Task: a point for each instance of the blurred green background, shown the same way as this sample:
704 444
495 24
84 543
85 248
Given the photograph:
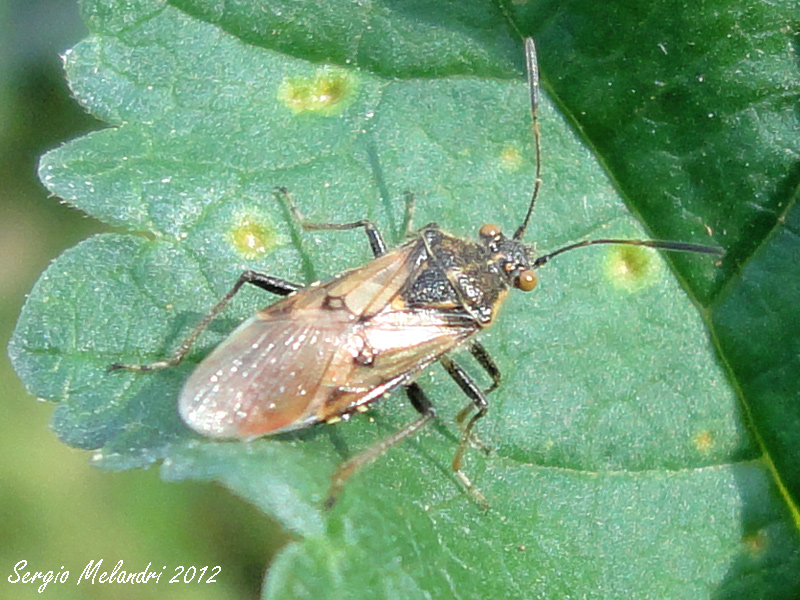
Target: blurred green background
57 510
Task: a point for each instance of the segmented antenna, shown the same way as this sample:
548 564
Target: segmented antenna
661 245
533 87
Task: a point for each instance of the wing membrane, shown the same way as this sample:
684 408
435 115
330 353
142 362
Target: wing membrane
263 378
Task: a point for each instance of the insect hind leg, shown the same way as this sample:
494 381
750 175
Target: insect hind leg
375 238
474 393
271 284
347 469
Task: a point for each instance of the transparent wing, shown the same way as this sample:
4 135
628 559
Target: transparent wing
264 378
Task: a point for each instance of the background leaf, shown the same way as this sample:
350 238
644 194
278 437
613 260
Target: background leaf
621 465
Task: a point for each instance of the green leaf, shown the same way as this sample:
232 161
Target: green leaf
632 456
699 119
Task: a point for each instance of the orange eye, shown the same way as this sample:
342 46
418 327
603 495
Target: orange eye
489 231
527 280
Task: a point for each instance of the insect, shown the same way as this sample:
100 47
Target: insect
326 351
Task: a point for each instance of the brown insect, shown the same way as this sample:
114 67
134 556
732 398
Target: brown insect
328 350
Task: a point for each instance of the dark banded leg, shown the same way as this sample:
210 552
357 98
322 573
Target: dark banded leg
274 285
375 238
485 360
419 400
346 470
474 393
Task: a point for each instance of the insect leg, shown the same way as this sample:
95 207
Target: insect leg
471 389
265 282
375 238
349 467
485 360
408 220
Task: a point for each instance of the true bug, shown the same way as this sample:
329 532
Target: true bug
327 350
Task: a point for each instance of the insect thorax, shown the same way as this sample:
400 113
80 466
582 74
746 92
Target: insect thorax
462 278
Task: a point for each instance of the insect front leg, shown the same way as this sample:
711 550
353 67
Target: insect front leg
346 470
274 285
474 393
375 238
408 220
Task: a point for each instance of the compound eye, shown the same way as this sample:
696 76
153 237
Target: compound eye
489 231
526 281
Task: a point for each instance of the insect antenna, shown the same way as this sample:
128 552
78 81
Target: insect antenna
533 87
661 245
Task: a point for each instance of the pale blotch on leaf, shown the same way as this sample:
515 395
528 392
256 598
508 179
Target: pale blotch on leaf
329 92
510 158
756 543
252 237
703 441
632 268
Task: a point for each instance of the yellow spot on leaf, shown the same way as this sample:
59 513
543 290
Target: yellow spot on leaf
756 544
327 93
510 158
632 268
703 441
252 237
